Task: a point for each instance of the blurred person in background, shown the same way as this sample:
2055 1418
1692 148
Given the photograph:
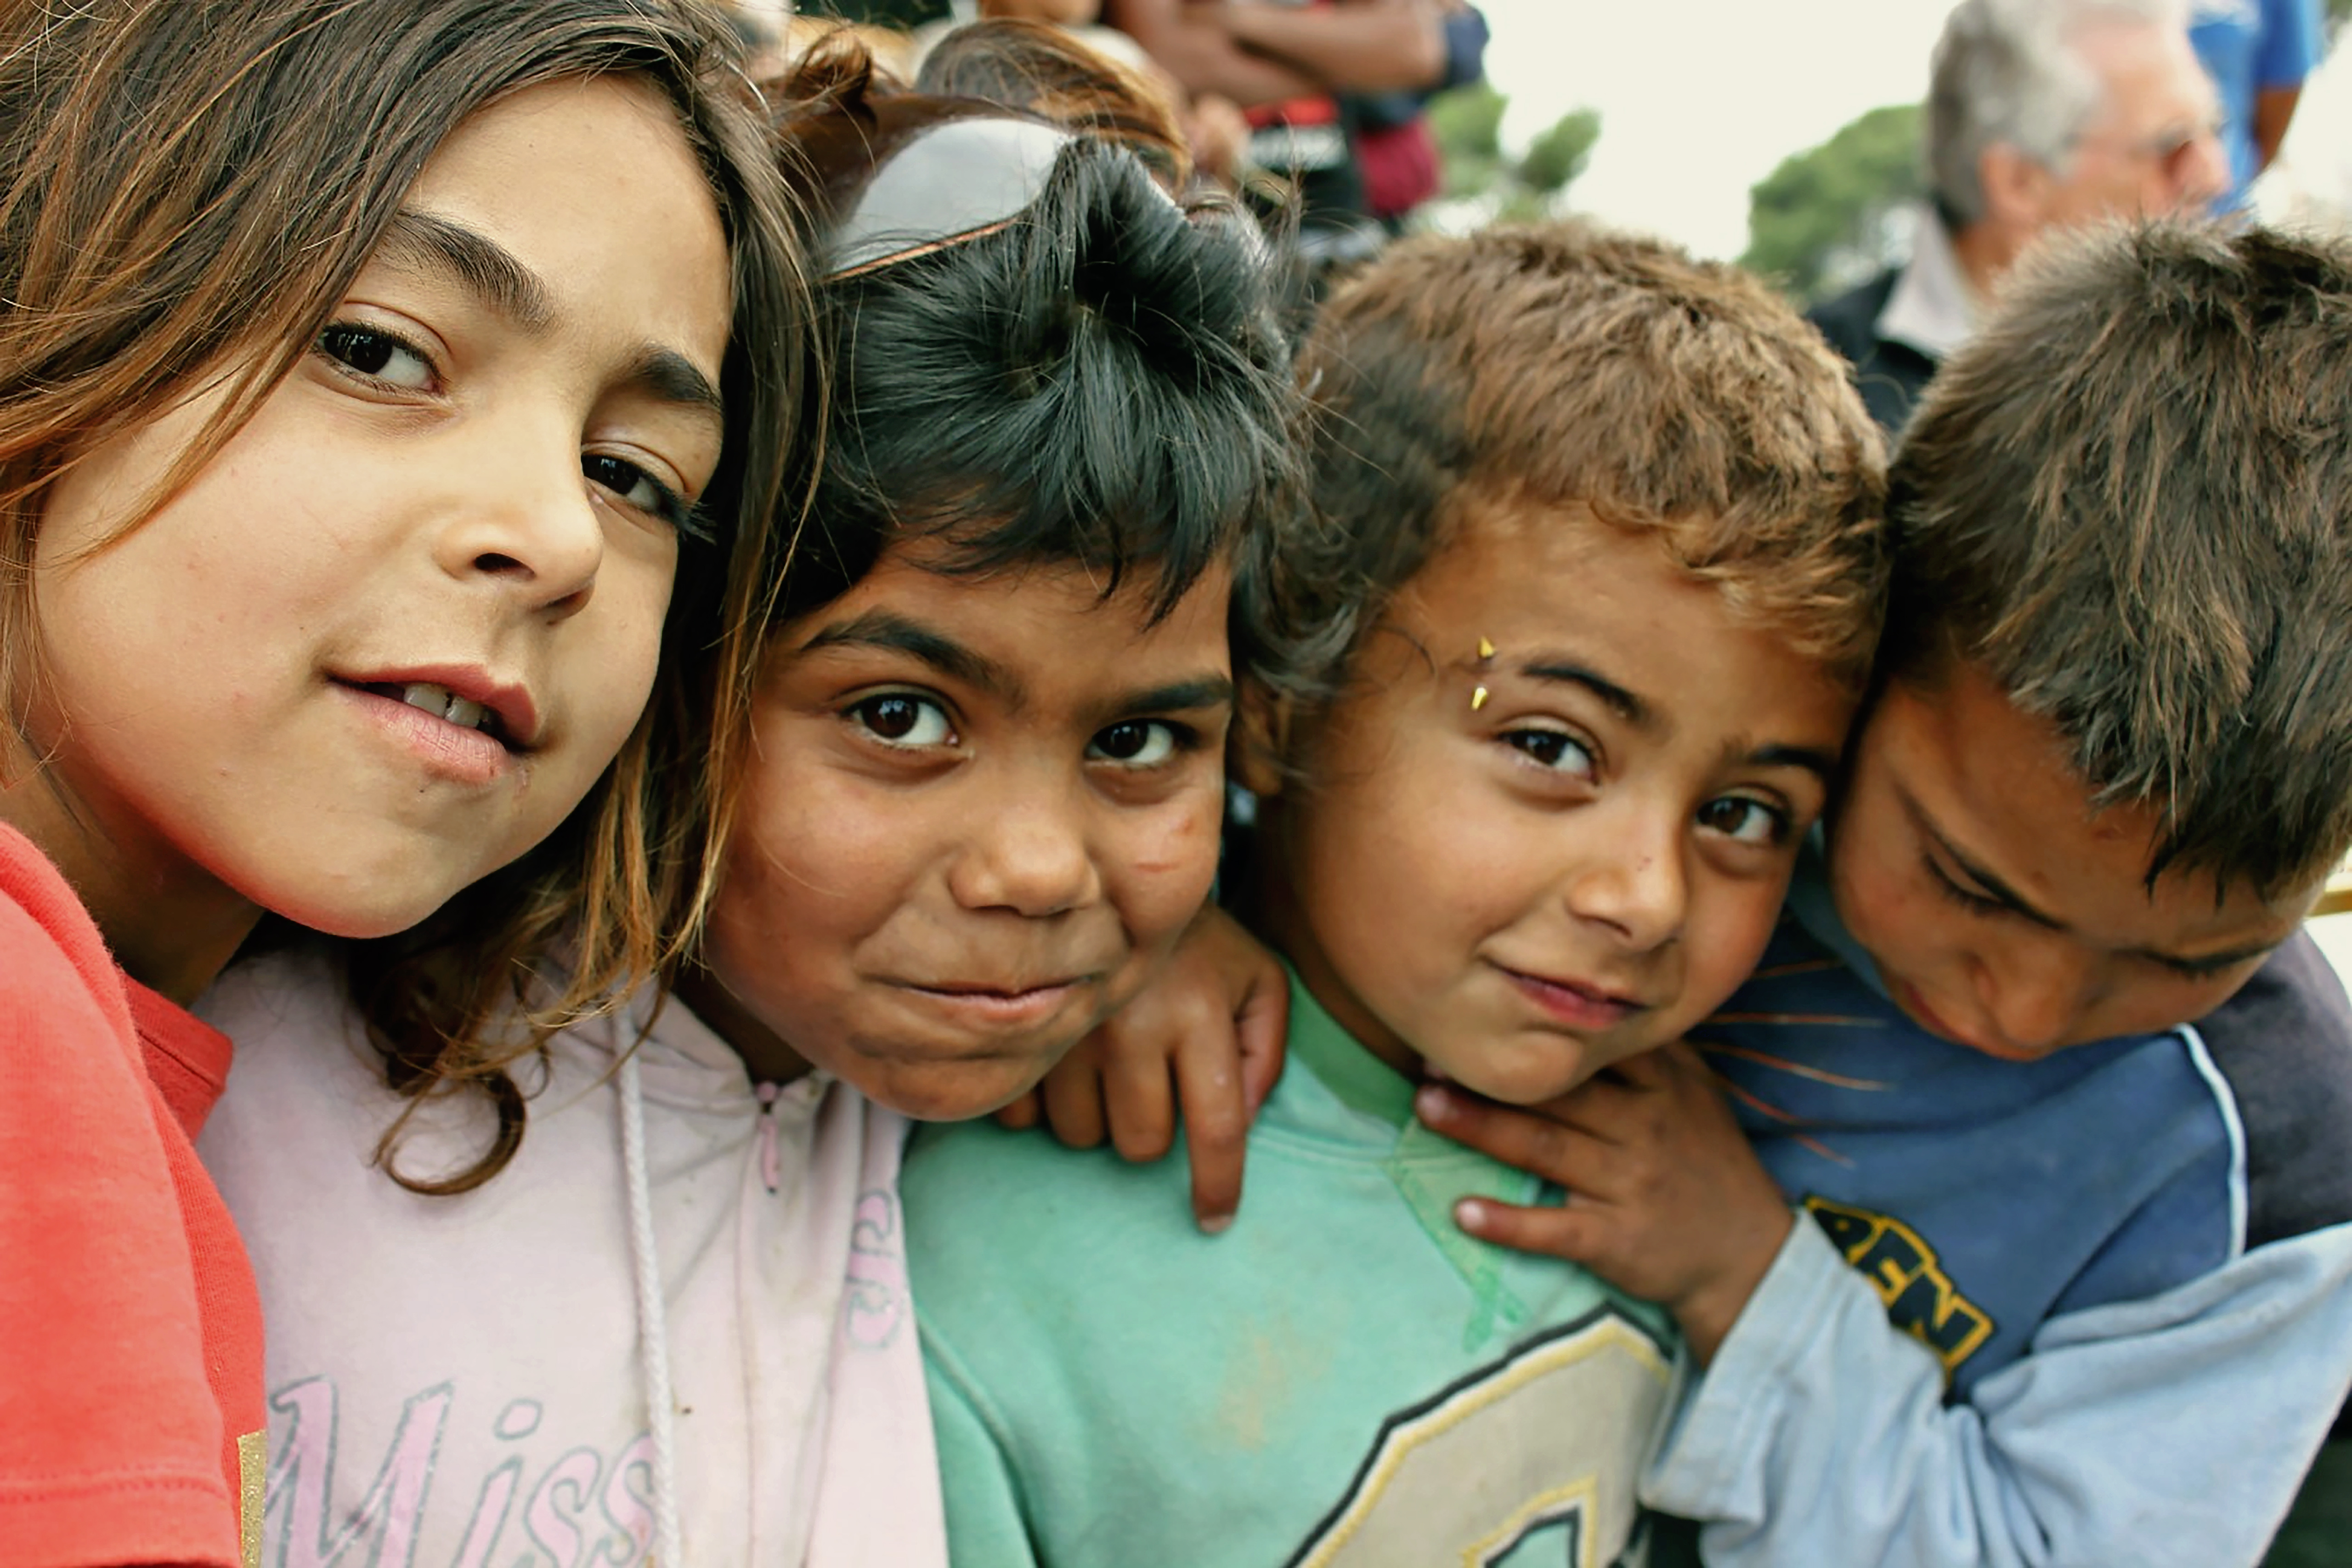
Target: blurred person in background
1289 65
2259 54
2041 114
1212 128
1394 146
1081 19
903 13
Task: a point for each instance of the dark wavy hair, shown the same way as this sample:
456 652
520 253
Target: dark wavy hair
1101 378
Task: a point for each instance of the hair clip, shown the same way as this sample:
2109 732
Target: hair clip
1478 700
1485 656
1486 651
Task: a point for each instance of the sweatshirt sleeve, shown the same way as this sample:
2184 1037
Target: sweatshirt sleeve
2167 1431
985 1528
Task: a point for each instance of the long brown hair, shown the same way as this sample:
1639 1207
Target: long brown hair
188 188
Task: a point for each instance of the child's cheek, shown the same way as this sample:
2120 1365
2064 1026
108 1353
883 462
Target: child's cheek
1171 864
1728 932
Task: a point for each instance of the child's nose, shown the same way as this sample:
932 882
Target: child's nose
1030 856
534 525
1637 887
2033 990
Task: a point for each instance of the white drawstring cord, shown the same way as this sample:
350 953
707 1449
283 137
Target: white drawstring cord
653 1321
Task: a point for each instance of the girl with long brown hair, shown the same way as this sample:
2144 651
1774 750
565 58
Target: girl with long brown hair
376 436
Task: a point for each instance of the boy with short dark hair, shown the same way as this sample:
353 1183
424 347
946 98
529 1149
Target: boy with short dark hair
1545 690
2103 777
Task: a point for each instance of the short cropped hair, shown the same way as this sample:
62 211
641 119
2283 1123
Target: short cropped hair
2128 501
2005 73
1102 380
1562 364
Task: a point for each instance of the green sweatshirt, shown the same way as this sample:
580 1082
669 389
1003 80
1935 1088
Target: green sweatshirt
1341 1378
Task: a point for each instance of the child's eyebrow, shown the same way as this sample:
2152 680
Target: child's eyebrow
488 270
1628 707
425 241
1637 712
1175 697
896 634
1812 759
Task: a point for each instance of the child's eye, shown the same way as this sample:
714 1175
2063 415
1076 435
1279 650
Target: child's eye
1138 743
378 355
640 489
1555 748
1975 903
1745 820
896 720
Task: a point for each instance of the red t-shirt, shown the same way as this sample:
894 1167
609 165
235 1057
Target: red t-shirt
129 1328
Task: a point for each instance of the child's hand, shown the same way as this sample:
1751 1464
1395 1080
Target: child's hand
1214 1021
1665 1199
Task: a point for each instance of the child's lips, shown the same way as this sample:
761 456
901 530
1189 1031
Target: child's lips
1908 997
995 1004
1577 1003
457 753
469 696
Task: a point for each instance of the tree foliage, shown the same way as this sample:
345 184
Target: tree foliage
1825 218
1558 155
1468 122
1468 125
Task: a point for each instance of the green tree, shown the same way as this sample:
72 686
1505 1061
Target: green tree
1559 154
1468 126
1821 221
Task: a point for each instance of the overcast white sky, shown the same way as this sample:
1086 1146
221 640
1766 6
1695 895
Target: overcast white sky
1701 98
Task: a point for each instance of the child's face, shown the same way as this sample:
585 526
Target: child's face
980 810
1521 890
465 490
2003 912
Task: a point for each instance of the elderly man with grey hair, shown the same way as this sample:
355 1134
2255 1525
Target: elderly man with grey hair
2041 114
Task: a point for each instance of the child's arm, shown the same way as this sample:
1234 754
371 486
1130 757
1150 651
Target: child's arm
1202 54
1379 46
1205 1038
2169 1430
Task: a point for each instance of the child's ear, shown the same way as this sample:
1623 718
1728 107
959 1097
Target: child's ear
1261 736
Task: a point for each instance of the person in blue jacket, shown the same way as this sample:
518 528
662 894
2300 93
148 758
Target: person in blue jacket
2258 53
2012 1266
